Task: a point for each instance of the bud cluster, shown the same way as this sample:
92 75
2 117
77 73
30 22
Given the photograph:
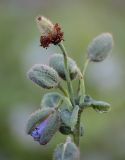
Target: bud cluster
62 112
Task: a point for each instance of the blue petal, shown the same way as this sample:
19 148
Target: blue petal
36 133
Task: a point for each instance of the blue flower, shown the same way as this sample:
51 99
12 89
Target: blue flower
36 133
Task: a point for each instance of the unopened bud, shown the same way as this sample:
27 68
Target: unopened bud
100 47
36 117
57 62
66 151
44 76
65 129
51 100
50 129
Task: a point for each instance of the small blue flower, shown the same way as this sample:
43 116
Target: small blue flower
36 133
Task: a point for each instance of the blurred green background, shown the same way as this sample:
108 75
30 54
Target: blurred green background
81 20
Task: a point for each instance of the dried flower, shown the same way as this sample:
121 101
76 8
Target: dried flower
50 33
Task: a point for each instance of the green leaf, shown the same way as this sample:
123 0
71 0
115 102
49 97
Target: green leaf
100 106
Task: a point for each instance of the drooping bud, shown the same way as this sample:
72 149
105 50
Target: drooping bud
44 76
50 33
57 62
36 117
51 100
66 151
50 129
100 47
44 130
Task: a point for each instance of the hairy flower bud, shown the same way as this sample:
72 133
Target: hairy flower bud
50 33
70 118
51 100
36 117
44 76
100 47
50 129
57 62
66 151
45 128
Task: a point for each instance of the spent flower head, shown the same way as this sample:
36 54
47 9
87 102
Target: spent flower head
50 33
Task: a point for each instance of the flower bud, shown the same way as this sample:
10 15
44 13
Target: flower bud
51 100
65 129
44 130
66 151
66 116
44 76
57 62
100 47
36 117
50 129
70 118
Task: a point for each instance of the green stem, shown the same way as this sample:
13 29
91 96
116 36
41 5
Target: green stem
76 134
81 85
69 84
63 90
85 66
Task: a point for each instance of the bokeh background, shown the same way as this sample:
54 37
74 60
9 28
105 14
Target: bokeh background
81 20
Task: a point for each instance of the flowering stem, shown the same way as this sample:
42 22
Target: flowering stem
69 84
76 134
63 90
85 66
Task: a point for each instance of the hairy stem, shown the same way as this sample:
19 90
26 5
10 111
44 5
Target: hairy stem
69 84
76 134
63 90
85 66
